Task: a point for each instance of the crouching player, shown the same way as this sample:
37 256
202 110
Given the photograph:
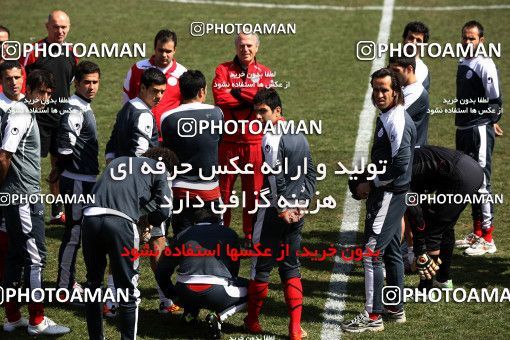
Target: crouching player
446 172
109 227
205 282
394 141
276 226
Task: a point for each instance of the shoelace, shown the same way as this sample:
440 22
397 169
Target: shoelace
359 318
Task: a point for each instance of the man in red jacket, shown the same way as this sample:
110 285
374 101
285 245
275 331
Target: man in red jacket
165 44
235 84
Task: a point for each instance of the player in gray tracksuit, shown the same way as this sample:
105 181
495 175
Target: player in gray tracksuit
416 97
109 228
277 227
77 164
20 174
134 133
479 106
394 142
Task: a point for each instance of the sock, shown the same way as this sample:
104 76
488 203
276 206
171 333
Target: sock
111 287
425 284
477 227
162 297
36 313
373 316
446 260
56 208
12 311
487 233
293 292
257 292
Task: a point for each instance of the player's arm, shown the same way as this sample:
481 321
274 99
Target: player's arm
5 163
401 153
165 268
70 126
130 90
109 153
221 89
490 81
162 195
15 129
288 214
143 137
418 225
310 177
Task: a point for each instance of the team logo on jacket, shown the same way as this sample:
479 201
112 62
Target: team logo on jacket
172 81
267 148
469 74
148 129
14 131
380 133
392 138
255 77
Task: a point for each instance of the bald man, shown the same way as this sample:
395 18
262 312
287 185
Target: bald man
62 67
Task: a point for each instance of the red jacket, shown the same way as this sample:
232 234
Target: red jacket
172 96
230 76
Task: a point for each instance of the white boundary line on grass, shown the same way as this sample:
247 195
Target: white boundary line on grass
339 8
335 303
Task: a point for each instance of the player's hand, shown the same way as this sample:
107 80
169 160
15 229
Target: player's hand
290 216
144 229
498 130
426 266
362 190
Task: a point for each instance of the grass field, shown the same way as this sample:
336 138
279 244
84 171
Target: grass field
327 82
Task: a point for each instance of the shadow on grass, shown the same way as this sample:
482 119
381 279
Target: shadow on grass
481 271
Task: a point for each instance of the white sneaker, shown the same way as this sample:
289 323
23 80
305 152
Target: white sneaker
447 284
481 247
363 323
12 326
47 327
467 241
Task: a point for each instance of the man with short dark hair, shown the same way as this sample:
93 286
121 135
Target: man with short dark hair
417 32
4 36
109 228
393 146
479 108
416 98
235 84
135 129
278 227
77 165
165 45
200 150
62 67
20 173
